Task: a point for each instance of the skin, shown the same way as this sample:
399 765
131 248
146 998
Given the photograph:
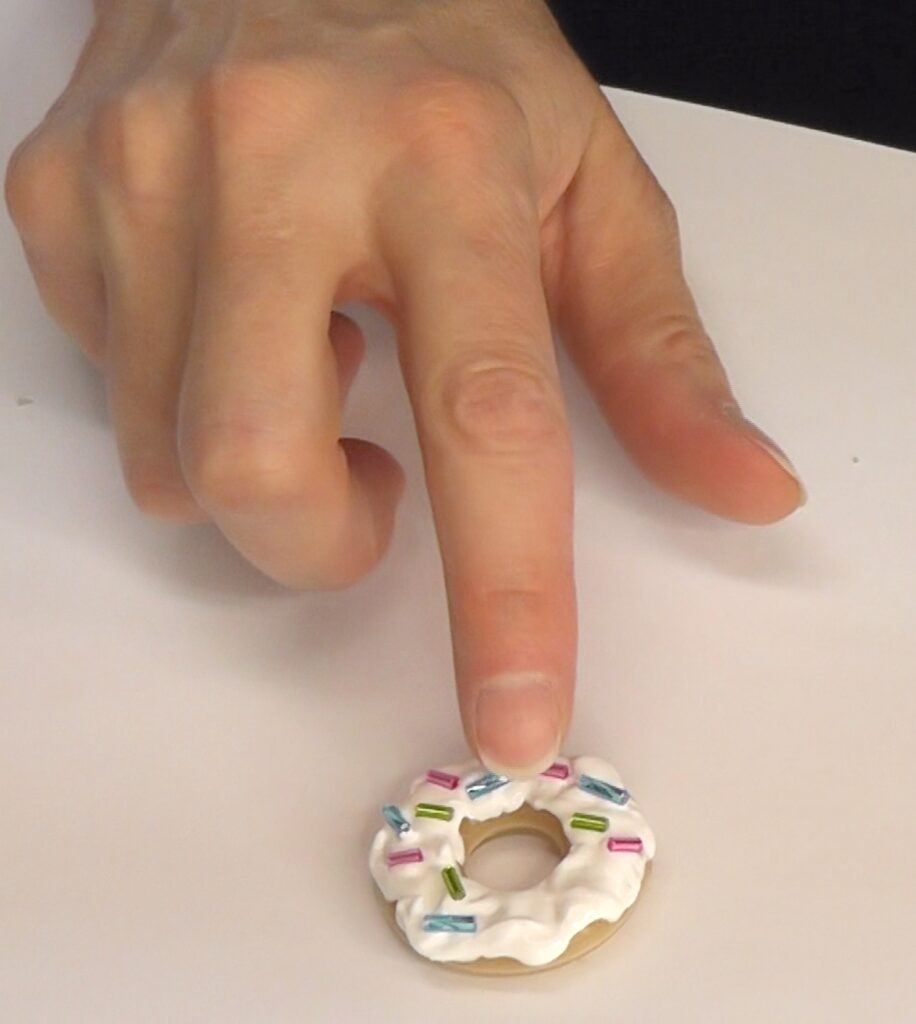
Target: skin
219 173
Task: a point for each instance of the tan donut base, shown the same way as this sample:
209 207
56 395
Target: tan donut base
525 821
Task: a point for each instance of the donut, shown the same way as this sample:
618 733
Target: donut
579 804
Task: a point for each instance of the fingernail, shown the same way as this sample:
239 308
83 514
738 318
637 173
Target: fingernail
767 443
517 724
780 458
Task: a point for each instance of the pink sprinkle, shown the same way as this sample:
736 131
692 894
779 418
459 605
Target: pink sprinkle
442 779
404 857
557 771
621 845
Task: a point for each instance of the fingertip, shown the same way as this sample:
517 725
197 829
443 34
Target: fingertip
160 497
733 474
517 724
770 487
349 347
382 481
796 491
695 443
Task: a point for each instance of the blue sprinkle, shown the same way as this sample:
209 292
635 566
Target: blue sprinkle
485 784
399 824
606 790
465 923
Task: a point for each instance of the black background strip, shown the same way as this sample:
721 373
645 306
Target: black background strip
847 66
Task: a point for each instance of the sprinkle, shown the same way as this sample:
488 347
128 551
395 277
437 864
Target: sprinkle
438 811
449 923
485 784
399 824
589 822
557 770
412 856
606 790
453 883
624 845
443 779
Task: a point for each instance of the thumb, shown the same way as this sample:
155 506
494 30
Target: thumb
632 327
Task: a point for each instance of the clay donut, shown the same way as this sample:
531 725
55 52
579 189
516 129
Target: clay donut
579 804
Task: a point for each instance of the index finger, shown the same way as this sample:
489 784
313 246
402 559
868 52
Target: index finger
480 368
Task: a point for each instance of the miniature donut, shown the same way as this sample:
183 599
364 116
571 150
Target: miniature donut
579 804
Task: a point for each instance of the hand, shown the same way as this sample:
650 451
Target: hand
218 175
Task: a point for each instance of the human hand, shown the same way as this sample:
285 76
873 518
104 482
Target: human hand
217 175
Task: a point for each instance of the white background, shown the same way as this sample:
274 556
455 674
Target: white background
191 759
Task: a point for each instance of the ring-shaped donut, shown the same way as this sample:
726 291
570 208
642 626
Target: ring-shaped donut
579 804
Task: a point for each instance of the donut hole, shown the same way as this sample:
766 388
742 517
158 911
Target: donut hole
514 851
512 862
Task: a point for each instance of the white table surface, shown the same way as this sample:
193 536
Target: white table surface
191 759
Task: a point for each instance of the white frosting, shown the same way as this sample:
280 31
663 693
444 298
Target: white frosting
535 925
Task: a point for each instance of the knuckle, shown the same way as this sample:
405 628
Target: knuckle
518 600
338 573
502 406
37 180
322 570
249 107
236 468
679 340
134 144
449 120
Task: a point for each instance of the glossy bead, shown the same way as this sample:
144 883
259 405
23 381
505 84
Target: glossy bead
606 790
453 885
465 923
399 824
438 811
485 784
443 779
398 857
589 822
557 770
624 844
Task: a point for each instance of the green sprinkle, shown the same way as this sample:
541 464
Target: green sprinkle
438 811
590 822
453 883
